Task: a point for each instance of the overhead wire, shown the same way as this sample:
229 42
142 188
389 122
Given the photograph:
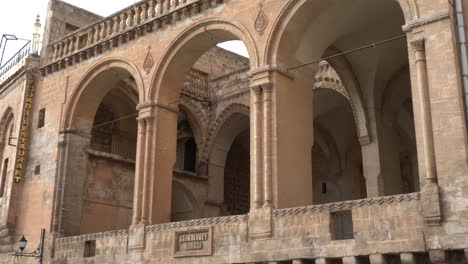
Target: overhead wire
373 45
107 123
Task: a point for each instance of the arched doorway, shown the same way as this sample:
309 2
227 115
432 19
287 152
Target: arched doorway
190 64
101 147
368 72
336 154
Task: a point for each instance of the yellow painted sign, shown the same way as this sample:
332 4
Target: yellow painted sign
24 132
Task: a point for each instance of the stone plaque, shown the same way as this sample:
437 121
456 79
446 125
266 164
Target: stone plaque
192 242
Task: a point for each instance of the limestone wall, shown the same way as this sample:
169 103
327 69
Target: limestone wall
387 225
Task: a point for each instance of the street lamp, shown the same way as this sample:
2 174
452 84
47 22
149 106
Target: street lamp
38 253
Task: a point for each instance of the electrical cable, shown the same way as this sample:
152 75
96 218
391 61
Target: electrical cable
373 45
106 123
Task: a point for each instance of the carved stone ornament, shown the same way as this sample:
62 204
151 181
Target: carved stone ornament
261 20
149 61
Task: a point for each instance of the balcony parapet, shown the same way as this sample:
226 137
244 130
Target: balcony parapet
198 222
87 237
119 28
347 205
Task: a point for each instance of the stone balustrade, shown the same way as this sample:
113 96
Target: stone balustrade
116 29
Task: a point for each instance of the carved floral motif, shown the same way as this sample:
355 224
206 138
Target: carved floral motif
149 61
261 20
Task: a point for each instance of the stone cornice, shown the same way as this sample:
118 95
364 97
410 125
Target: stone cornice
426 21
122 37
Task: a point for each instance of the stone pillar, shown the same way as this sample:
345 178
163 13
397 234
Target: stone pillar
371 157
139 171
267 146
147 171
407 258
377 259
256 145
163 157
321 261
430 192
438 256
350 260
298 261
425 111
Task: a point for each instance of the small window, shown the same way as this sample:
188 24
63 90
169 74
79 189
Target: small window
4 175
90 249
324 188
342 225
41 121
37 169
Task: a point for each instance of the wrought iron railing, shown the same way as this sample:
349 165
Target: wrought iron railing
113 25
115 144
15 63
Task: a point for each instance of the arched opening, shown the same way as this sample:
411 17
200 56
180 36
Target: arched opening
229 167
336 153
184 205
237 176
7 151
186 144
366 75
101 153
200 74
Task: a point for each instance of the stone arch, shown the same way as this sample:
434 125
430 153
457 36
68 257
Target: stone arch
217 126
7 117
217 30
344 70
409 9
179 187
232 123
196 119
100 67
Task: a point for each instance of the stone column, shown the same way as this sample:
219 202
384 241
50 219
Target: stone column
430 192
438 256
377 259
350 260
139 170
256 145
60 182
147 173
267 147
319 261
425 111
407 258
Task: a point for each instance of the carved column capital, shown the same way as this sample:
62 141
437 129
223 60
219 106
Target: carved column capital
418 45
257 89
267 87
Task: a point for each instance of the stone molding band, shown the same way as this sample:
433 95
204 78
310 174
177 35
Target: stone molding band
426 21
154 104
347 205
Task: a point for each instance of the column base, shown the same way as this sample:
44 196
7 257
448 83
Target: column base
431 204
261 223
137 238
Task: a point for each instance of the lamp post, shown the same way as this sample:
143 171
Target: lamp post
38 253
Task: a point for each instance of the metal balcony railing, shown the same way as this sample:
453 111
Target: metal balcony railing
15 63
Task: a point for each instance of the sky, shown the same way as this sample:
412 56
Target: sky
17 17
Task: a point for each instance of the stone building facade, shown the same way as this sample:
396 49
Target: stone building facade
134 138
